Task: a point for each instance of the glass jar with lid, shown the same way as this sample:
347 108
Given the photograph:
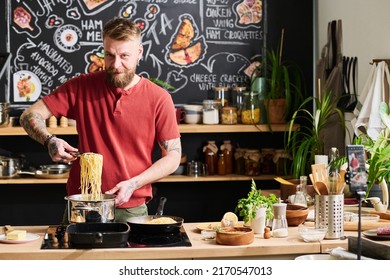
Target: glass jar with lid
210 111
237 98
267 161
252 162
282 162
250 109
221 94
229 115
211 157
239 161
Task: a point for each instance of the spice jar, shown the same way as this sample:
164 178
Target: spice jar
229 115
211 157
279 223
227 150
252 162
250 112
239 161
210 112
267 161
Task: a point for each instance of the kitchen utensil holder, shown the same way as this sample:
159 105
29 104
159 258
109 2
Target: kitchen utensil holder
329 211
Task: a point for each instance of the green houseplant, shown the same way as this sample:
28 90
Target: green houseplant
378 151
284 86
246 207
308 140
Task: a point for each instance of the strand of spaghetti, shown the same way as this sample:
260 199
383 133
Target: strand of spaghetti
90 174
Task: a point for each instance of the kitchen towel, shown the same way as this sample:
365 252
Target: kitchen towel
375 91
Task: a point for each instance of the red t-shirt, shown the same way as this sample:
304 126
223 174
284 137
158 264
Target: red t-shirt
121 125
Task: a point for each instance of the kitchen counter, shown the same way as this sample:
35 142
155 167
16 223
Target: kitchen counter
273 248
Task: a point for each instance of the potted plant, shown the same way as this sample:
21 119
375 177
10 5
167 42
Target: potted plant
284 86
377 151
246 207
308 140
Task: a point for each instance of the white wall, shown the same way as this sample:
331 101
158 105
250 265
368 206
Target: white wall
365 30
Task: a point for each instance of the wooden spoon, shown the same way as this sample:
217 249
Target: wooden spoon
322 188
319 172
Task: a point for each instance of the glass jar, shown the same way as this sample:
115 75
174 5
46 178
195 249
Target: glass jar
222 95
229 115
211 157
221 164
227 150
252 162
282 162
239 161
250 111
210 111
237 98
267 161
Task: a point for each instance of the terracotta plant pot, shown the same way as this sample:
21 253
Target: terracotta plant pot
276 110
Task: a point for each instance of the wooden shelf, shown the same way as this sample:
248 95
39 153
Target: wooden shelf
169 179
184 128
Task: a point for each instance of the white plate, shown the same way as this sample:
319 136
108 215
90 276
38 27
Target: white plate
314 257
29 238
33 96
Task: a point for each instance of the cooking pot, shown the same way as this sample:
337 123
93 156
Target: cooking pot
140 224
54 171
87 208
8 167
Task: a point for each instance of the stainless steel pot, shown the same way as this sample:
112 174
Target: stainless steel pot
83 208
8 167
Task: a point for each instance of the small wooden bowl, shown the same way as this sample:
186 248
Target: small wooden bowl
235 236
296 215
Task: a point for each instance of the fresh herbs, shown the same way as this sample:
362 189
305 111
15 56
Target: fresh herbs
246 207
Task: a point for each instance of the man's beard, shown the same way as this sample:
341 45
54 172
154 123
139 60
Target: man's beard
122 80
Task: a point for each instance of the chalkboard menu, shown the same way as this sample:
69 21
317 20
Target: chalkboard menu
52 41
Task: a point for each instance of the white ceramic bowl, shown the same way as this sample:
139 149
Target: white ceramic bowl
312 234
192 108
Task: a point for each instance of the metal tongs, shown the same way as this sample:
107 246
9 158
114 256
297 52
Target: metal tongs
75 154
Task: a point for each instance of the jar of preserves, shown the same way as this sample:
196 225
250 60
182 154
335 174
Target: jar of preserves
252 162
221 164
229 115
250 111
239 161
267 161
282 162
211 157
210 111
227 150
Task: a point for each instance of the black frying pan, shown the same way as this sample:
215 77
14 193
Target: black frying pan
140 225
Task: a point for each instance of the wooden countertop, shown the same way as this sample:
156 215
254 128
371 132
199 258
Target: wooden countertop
274 248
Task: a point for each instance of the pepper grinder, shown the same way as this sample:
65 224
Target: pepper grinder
279 224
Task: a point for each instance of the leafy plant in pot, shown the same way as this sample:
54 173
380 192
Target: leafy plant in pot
246 207
284 86
378 151
308 140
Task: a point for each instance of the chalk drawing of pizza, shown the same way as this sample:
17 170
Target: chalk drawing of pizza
186 47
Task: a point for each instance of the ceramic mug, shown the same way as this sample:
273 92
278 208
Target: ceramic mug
180 115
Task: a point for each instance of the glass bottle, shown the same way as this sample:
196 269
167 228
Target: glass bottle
279 223
250 112
221 165
227 150
300 198
211 157
334 171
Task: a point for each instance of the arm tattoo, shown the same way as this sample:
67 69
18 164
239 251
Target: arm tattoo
35 126
174 146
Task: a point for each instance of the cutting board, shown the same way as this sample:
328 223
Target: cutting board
366 225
